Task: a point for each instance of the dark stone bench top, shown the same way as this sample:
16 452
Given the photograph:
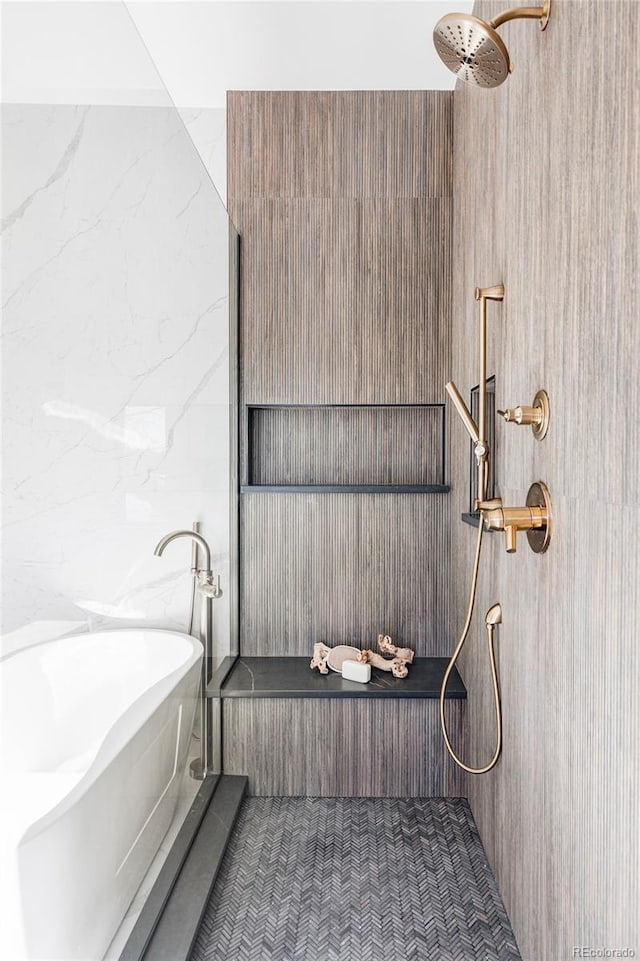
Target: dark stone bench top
292 677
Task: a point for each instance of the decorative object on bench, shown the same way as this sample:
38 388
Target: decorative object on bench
338 655
325 657
341 659
397 666
386 646
319 659
356 671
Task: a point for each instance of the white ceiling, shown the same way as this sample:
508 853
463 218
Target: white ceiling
75 53
159 52
203 49
60 51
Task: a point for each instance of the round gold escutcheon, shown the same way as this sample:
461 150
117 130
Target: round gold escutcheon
539 538
541 401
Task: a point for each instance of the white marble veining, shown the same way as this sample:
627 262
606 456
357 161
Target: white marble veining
115 350
207 128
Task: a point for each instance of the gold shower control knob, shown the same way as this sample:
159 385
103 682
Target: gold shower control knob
522 415
536 416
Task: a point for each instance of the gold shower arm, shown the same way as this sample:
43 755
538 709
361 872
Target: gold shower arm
524 13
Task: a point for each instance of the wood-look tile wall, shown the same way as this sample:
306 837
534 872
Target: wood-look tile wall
343 205
341 568
344 301
547 200
344 748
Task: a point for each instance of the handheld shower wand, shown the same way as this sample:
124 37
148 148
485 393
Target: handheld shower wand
492 617
477 433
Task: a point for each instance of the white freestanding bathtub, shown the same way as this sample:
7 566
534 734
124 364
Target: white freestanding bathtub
95 736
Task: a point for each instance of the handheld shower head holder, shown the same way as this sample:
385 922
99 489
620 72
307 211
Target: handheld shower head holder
481 451
473 49
493 615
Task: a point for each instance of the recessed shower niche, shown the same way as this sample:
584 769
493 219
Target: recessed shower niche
368 448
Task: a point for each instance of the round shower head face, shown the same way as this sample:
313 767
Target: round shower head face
472 50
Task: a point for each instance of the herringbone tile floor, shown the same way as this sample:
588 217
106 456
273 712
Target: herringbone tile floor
351 879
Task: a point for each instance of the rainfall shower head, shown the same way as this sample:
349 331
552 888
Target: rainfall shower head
474 50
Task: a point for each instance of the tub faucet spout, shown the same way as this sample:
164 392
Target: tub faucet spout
209 588
198 538
208 584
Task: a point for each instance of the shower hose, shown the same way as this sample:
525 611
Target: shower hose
494 673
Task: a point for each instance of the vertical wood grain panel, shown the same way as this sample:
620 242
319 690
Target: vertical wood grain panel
341 568
344 301
344 748
343 204
338 144
547 188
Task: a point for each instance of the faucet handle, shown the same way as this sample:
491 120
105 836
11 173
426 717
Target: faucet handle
536 416
209 584
522 415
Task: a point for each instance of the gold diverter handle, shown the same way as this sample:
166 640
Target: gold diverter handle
536 416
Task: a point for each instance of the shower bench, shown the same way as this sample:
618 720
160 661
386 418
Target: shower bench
295 732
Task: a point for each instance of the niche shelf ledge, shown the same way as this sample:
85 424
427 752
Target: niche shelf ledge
345 489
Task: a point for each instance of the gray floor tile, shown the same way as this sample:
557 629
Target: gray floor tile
351 879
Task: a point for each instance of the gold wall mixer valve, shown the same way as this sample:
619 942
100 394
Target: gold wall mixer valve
534 518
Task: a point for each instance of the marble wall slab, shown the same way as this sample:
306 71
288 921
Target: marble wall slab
207 128
115 393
